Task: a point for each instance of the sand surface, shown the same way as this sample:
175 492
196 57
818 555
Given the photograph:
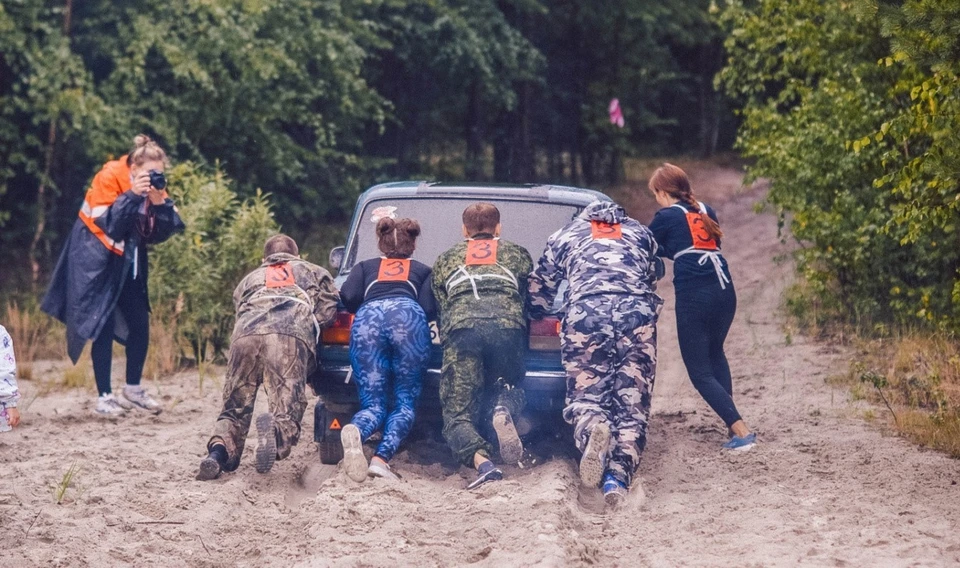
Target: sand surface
824 487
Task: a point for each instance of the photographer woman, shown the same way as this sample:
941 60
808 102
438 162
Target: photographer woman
99 287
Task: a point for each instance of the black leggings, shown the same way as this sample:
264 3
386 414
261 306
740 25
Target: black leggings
704 315
134 308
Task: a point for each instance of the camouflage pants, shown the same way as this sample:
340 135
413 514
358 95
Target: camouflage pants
482 367
609 350
281 363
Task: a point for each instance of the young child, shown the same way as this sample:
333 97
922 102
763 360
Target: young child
9 393
481 289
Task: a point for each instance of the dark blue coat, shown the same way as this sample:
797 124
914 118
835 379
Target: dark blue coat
89 277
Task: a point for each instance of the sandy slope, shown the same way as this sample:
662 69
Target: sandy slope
823 488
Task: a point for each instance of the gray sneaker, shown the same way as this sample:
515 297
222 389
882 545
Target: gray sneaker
594 460
109 406
136 396
511 448
354 462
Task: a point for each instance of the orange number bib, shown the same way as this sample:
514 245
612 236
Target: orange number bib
601 230
481 252
280 276
701 238
394 270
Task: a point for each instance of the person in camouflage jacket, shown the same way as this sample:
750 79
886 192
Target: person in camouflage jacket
608 336
281 308
481 288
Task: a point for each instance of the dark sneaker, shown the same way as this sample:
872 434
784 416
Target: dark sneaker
354 462
266 443
743 444
594 459
488 472
614 491
511 448
212 465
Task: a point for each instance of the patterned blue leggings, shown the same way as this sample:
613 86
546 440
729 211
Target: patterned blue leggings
389 346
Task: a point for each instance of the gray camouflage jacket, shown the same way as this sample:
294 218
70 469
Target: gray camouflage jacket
287 296
602 251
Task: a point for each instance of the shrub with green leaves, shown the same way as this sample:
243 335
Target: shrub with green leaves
851 109
193 275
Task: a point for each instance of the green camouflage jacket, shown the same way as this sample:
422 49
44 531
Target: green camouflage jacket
489 287
285 295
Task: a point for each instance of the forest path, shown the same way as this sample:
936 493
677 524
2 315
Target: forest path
822 488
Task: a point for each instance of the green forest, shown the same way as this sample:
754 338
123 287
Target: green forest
851 109
312 101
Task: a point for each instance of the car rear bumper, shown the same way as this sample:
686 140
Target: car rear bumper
545 389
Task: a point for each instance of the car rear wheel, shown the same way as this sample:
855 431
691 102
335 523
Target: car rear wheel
328 420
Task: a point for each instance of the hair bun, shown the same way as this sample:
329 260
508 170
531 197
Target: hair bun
385 225
141 140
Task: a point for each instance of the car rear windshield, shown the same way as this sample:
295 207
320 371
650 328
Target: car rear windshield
526 223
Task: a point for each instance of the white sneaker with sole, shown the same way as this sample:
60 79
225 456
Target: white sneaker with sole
139 398
109 406
354 462
594 460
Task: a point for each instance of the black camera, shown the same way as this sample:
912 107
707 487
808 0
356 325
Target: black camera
157 180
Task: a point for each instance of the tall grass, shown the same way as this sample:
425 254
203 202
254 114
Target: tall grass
35 336
917 376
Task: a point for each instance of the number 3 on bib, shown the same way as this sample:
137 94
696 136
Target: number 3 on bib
481 252
394 270
279 276
601 230
701 238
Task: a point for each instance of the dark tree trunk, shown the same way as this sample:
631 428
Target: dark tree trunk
473 165
45 177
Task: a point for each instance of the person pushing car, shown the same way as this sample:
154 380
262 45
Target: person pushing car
281 308
608 337
480 287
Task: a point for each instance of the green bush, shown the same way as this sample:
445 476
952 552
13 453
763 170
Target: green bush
193 275
851 109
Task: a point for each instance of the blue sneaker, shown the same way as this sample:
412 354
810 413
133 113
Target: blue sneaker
743 444
487 472
614 490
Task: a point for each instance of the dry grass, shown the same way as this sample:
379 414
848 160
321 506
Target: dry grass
164 356
918 376
79 376
35 336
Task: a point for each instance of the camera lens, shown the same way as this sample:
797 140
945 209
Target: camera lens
157 179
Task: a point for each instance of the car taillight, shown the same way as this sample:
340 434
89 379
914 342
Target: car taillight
545 334
339 332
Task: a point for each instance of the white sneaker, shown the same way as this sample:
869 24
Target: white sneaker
108 405
138 397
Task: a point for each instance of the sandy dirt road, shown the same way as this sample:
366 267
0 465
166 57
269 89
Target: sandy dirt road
823 488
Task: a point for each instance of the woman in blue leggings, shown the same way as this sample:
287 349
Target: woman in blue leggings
688 232
389 345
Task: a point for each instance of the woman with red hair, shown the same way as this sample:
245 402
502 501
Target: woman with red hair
688 232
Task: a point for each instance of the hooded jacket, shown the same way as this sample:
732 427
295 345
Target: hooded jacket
602 251
288 296
105 251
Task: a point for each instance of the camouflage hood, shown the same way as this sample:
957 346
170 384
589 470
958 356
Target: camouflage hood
605 212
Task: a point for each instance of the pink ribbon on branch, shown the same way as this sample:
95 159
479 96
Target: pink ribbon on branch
616 113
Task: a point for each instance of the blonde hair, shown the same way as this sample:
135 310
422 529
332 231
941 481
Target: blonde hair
146 150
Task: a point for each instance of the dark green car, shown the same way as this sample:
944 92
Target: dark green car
529 215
